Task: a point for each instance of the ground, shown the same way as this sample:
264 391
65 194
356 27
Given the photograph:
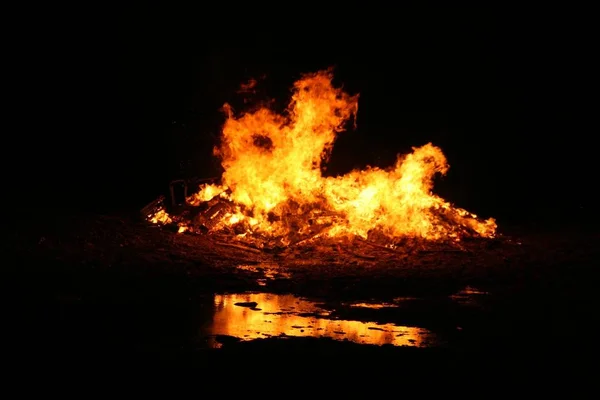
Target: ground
94 288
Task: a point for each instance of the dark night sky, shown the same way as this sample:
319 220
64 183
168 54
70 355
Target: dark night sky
136 102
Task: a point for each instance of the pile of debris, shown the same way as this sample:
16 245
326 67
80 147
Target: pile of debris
209 216
301 224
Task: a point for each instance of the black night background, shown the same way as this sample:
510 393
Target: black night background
137 103
113 105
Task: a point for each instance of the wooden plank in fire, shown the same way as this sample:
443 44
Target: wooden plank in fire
213 214
153 206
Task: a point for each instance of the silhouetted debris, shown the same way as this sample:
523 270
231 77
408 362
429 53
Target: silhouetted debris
213 214
249 304
207 219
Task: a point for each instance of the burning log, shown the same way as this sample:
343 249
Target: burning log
150 209
213 215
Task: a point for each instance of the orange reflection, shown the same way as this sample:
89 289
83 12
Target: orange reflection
469 296
269 271
277 315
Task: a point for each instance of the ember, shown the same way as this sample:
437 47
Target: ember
273 193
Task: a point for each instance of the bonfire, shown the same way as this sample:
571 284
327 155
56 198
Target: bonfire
273 193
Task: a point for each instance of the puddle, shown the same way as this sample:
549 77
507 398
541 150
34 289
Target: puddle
268 271
251 316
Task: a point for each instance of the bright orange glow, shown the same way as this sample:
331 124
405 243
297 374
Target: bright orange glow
278 315
273 182
160 217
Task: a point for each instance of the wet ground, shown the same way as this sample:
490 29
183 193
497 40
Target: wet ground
96 291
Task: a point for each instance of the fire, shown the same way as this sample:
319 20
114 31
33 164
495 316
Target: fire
160 217
273 184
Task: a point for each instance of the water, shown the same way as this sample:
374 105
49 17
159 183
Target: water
250 316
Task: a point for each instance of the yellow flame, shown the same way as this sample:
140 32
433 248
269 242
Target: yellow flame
160 217
272 171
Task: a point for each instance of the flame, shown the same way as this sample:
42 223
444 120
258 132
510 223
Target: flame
160 217
272 174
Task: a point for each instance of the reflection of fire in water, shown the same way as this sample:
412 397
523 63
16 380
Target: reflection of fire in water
272 185
277 315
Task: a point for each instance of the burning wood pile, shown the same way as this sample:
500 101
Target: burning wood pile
272 194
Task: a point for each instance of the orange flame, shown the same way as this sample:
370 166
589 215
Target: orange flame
272 174
160 217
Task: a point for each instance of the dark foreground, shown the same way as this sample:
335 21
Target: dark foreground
110 293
